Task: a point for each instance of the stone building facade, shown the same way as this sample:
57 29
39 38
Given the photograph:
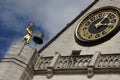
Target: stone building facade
63 58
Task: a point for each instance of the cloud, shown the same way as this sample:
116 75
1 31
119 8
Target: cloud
50 15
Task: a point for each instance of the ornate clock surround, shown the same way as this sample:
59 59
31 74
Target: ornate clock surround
99 25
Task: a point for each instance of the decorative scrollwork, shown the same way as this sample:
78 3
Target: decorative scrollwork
89 64
80 62
109 61
44 63
73 62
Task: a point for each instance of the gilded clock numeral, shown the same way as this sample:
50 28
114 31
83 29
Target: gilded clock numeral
87 36
111 16
85 28
90 36
113 21
87 23
100 15
93 19
97 35
104 32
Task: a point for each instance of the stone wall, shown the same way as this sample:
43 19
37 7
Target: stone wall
65 44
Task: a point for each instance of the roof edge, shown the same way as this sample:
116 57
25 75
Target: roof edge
67 26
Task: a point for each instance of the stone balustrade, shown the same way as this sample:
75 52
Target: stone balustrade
84 64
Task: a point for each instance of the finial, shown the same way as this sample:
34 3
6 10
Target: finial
29 34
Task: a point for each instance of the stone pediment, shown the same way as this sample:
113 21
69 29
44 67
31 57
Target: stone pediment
67 26
64 42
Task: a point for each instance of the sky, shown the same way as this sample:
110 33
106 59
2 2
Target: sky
48 16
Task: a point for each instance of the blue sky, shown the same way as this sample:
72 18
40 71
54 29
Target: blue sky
48 16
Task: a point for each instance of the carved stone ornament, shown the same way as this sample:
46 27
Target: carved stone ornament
82 64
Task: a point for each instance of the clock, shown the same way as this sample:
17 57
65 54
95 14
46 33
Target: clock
98 25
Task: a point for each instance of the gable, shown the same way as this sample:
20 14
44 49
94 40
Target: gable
64 42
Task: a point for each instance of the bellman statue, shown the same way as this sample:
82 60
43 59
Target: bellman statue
29 34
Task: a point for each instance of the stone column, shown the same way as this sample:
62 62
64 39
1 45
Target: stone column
18 63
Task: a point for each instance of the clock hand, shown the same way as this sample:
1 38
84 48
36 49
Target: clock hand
100 23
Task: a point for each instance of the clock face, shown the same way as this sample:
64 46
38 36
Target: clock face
98 24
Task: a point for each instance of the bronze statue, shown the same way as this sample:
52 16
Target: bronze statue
29 34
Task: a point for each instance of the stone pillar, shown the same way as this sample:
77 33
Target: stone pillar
50 68
18 63
92 64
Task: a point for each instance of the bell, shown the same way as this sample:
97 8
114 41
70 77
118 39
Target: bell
38 38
